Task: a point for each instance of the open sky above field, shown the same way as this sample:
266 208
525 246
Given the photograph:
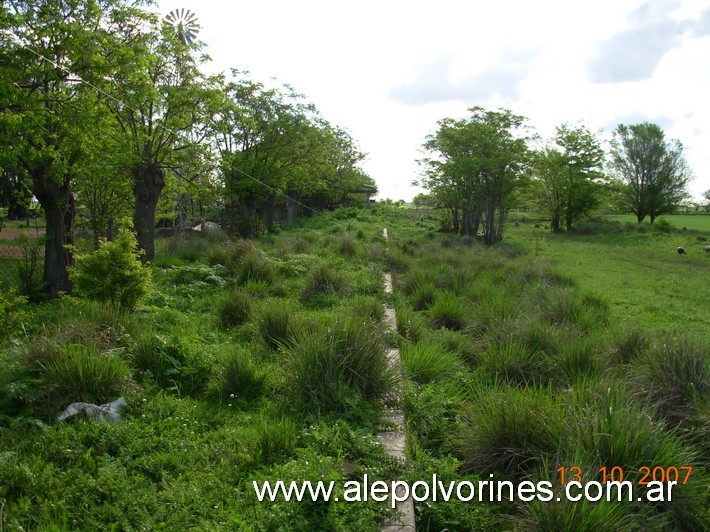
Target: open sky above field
388 70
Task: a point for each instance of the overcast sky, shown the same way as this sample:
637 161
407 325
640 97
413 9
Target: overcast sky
387 70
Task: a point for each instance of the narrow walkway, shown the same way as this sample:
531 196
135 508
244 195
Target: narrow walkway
394 440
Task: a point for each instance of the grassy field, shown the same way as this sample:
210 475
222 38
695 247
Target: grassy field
640 274
254 361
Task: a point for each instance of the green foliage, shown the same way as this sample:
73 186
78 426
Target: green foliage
674 377
275 440
234 308
240 377
113 273
83 373
448 312
324 280
510 430
172 363
424 363
276 323
333 368
30 265
12 313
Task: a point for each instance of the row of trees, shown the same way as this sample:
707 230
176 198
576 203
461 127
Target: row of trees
106 110
479 167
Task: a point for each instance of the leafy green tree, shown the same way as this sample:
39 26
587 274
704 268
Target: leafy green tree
477 168
653 168
46 111
160 99
569 176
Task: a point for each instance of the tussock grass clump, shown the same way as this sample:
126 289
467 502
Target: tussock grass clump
347 246
275 440
240 377
628 343
580 515
234 308
424 363
368 308
172 363
510 430
255 266
577 358
396 260
448 312
410 325
334 367
188 249
276 323
83 373
423 296
513 362
416 277
674 377
324 279
230 254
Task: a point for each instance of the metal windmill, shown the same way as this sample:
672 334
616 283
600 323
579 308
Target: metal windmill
185 23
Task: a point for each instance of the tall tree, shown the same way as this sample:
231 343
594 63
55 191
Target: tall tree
46 111
159 99
477 166
653 168
569 174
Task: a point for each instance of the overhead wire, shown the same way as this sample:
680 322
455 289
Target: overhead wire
118 101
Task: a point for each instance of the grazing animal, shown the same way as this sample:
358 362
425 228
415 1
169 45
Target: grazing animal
707 249
681 251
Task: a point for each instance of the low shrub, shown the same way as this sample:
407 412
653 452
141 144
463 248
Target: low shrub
12 312
113 273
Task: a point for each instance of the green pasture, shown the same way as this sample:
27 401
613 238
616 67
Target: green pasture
640 274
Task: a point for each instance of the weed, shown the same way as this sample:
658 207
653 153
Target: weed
234 308
424 363
240 377
333 368
324 280
82 373
448 312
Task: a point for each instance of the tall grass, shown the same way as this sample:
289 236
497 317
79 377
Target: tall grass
423 363
332 368
83 373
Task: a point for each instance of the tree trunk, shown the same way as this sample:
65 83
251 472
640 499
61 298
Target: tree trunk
555 223
57 200
269 212
149 183
291 209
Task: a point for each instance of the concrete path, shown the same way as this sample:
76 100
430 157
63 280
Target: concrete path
394 440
